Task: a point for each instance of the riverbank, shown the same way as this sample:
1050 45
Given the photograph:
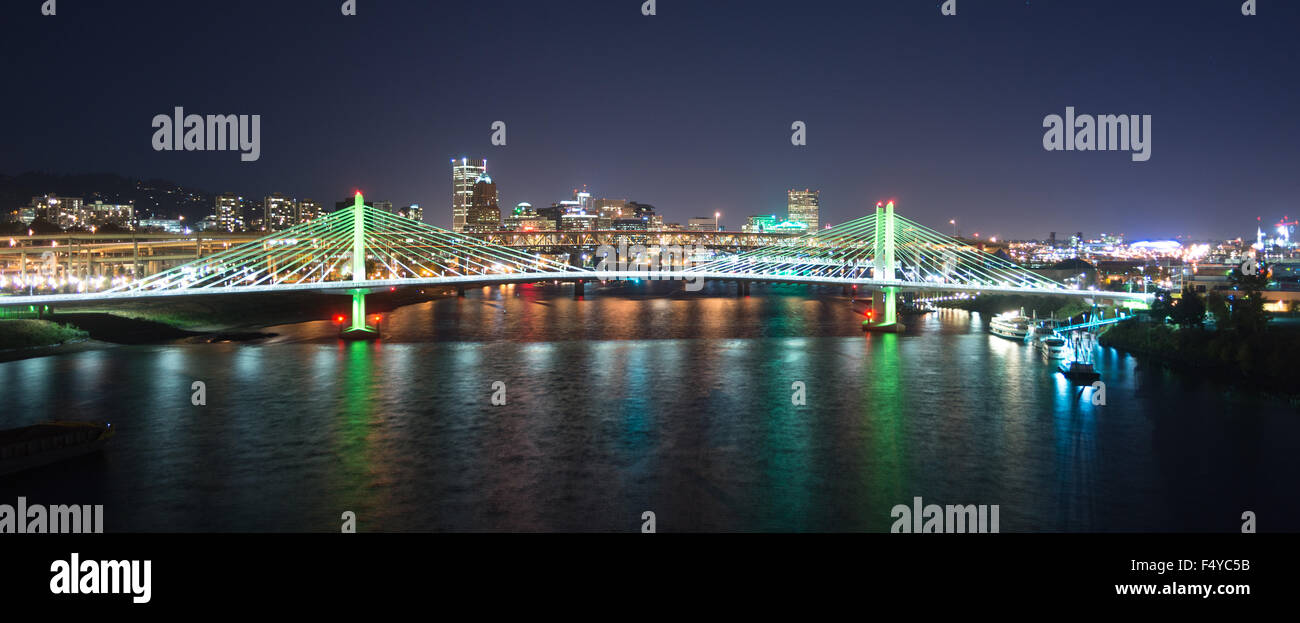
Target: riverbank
236 313
195 319
20 339
1263 361
1044 305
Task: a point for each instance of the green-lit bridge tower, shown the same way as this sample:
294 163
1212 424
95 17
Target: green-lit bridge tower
884 302
359 330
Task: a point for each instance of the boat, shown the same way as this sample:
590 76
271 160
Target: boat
1010 325
1053 347
42 444
1079 373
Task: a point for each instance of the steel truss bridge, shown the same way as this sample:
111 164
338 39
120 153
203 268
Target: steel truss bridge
360 249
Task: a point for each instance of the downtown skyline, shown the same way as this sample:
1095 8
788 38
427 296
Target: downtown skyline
943 114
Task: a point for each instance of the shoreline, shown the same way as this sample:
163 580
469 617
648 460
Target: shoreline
213 320
1224 376
64 348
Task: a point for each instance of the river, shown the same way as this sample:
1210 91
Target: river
634 401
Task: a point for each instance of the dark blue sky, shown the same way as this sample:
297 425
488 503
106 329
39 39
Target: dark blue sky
689 110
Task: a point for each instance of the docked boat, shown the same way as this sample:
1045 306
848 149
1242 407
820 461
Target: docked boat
1010 325
42 444
1053 347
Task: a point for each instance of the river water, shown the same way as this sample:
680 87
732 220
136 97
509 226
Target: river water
634 401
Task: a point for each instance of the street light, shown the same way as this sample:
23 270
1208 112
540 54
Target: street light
953 222
716 216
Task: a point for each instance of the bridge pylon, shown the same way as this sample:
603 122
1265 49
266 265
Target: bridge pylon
359 330
884 302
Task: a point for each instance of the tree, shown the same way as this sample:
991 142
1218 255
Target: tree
1247 315
1190 309
1218 307
1161 309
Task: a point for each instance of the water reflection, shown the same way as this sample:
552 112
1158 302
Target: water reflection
623 403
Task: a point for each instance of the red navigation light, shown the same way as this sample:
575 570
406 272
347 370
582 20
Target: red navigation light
871 313
338 320
392 289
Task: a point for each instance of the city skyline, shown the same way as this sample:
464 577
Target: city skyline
957 143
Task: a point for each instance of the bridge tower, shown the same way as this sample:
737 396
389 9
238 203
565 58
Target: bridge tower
884 302
359 330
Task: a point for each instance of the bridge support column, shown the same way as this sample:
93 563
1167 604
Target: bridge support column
359 330
884 302
578 289
460 292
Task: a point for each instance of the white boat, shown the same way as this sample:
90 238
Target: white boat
1053 347
1010 325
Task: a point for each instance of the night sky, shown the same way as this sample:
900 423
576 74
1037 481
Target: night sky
689 110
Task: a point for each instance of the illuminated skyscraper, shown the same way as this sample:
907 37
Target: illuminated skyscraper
484 213
463 177
278 212
229 212
803 207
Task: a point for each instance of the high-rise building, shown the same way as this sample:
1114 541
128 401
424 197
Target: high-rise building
463 177
278 212
484 213
645 212
413 212
308 211
804 206
229 212
62 211
386 206
609 210
584 199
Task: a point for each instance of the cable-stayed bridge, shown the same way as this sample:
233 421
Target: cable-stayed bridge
361 249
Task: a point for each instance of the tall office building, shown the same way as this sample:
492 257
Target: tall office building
463 177
278 212
483 213
609 210
803 207
229 212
